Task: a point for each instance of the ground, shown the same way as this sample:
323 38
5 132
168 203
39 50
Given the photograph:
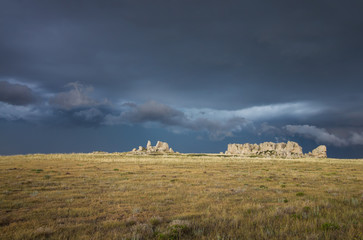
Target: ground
121 196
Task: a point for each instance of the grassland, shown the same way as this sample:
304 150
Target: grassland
118 196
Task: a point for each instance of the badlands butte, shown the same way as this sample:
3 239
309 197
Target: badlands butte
266 149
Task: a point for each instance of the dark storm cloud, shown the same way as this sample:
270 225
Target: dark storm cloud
78 96
321 135
77 106
184 52
219 130
16 94
90 115
176 120
79 117
153 112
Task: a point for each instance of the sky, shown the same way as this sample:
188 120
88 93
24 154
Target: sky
83 76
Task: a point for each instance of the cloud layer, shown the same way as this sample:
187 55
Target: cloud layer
321 135
16 94
76 97
176 120
77 106
210 54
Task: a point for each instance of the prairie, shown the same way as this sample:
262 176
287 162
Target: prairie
179 196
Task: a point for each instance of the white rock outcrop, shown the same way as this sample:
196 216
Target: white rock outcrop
270 149
319 152
161 147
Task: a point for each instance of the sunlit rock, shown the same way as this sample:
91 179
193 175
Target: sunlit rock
270 149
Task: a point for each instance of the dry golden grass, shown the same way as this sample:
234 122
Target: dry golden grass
119 196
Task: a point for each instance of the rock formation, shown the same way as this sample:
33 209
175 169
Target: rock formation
319 152
161 147
270 149
148 145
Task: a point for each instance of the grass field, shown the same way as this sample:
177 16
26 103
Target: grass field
119 196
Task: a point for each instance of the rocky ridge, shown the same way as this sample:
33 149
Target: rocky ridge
270 149
160 147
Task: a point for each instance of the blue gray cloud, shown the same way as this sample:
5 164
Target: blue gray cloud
322 136
78 96
217 123
79 106
175 120
16 94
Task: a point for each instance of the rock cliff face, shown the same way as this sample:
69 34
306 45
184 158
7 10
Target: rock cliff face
161 147
270 149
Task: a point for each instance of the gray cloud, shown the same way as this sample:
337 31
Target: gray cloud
218 129
91 115
77 97
207 54
175 120
16 94
266 128
321 135
26 113
356 138
153 112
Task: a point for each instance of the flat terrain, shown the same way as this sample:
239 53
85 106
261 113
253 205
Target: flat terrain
119 196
